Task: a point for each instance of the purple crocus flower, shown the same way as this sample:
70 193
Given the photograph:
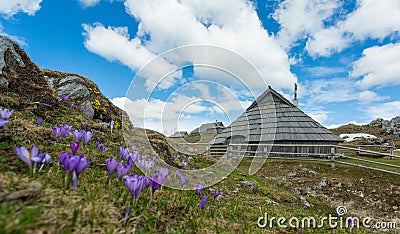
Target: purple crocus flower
39 121
203 202
112 125
103 148
124 153
64 156
184 163
82 108
77 134
29 157
56 131
74 147
72 105
158 179
64 131
122 170
86 137
111 165
147 182
182 180
6 113
199 188
85 124
177 173
3 122
80 167
87 114
216 193
134 183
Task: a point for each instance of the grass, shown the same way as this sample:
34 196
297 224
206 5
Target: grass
43 203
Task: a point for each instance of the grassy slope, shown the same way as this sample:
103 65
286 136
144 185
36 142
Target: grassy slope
43 202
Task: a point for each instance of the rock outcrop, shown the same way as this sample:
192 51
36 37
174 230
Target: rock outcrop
27 83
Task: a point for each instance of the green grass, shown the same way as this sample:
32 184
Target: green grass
44 203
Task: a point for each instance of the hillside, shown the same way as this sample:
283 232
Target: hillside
385 131
44 198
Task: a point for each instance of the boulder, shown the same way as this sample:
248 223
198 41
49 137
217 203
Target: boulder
71 79
73 91
3 83
88 108
7 44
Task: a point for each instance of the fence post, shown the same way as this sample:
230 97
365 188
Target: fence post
333 162
391 152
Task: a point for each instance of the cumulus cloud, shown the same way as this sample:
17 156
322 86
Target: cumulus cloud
88 3
383 20
378 66
180 108
167 24
299 19
370 96
386 110
9 8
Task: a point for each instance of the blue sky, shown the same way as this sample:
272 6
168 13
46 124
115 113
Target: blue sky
345 55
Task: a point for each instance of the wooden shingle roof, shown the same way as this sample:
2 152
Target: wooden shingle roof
273 118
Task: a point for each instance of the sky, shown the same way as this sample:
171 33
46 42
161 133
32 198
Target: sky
174 64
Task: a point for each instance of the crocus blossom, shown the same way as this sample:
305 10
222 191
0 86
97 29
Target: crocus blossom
124 153
158 179
112 125
6 113
85 124
74 165
203 202
122 170
56 131
216 193
64 130
134 183
39 121
199 188
72 105
182 179
86 136
111 165
81 166
3 122
74 147
33 156
77 135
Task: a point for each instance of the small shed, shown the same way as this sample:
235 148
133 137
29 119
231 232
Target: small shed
179 134
273 121
208 128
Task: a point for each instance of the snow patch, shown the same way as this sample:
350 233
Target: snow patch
356 136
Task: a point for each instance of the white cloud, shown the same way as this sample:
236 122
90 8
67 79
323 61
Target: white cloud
328 91
374 19
177 111
9 8
319 117
378 66
167 24
370 96
89 3
301 18
21 41
386 110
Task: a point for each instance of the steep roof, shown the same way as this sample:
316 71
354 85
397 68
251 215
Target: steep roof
206 126
273 118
